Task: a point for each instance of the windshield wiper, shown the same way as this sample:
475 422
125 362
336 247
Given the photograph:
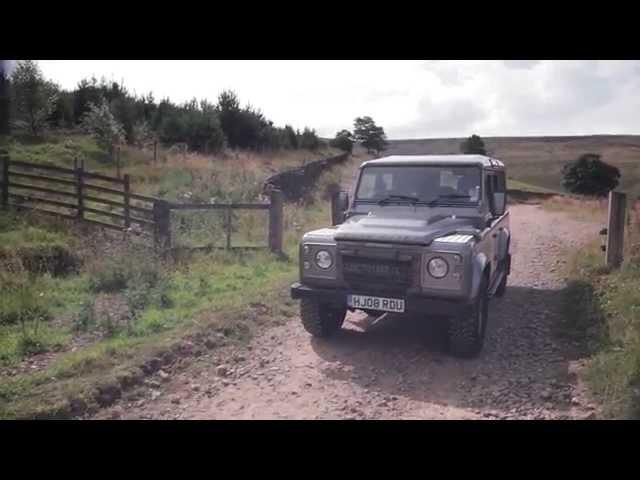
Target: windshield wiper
391 198
448 195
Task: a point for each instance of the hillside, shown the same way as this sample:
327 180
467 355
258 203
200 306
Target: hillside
539 160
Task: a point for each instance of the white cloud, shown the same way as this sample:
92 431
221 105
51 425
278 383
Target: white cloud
408 98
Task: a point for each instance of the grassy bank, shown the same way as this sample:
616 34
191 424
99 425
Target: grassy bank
602 313
74 336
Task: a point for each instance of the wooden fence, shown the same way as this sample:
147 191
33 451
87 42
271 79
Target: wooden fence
108 202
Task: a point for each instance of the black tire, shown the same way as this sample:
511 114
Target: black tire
321 319
502 288
466 332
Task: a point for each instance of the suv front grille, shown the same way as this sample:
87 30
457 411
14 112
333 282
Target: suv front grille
376 275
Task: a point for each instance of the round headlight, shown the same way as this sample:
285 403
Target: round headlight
324 260
438 267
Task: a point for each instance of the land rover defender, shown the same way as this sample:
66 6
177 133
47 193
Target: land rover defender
426 235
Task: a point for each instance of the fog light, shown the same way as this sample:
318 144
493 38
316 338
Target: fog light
306 265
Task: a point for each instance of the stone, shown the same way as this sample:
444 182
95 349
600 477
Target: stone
163 375
222 370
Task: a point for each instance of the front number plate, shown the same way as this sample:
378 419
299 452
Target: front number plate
376 303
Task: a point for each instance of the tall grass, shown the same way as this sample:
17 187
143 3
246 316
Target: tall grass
604 308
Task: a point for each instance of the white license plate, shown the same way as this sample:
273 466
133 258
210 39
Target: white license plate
376 303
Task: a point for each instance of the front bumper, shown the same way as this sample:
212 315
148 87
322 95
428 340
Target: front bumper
413 303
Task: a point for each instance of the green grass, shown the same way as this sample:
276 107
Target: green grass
602 311
193 295
526 187
59 151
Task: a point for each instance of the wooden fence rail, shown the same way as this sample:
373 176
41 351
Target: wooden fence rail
108 201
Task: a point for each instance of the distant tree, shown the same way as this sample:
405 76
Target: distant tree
589 175
102 125
291 137
62 114
309 140
370 135
230 117
5 70
343 140
87 92
34 98
474 145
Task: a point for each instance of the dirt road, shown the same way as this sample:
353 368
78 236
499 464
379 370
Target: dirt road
397 369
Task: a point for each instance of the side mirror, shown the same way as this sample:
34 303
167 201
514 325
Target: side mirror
339 206
499 203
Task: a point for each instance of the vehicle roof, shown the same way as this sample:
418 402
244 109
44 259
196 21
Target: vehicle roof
481 160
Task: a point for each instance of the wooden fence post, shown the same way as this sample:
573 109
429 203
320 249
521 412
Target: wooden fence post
162 220
155 151
80 188
276 222
4 159
228 225
118 161
615 229
127 201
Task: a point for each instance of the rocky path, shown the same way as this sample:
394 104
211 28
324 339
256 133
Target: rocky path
397 369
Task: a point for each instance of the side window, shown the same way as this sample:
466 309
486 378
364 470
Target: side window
489 181
501 184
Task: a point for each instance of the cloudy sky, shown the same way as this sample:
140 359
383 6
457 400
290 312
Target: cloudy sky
410 99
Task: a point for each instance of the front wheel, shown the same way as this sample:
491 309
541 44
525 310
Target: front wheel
502 288
321 319
466 332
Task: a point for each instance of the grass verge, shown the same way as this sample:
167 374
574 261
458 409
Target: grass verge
602 313
208 298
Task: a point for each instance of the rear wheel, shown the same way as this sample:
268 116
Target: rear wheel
466 332
321 319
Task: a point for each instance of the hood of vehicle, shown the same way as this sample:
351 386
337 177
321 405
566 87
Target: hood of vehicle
403 230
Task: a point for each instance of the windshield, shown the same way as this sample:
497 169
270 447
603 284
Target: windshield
433 184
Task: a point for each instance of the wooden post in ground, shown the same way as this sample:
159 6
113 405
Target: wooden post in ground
4 161
276 222
118 161
80 188
162 220
227 225
615 229
155 151
127 201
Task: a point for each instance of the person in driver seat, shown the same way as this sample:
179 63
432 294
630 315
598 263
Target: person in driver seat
468 185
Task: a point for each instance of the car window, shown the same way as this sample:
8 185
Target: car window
456 184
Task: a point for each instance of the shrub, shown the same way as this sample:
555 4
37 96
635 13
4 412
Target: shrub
343 140
589 175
